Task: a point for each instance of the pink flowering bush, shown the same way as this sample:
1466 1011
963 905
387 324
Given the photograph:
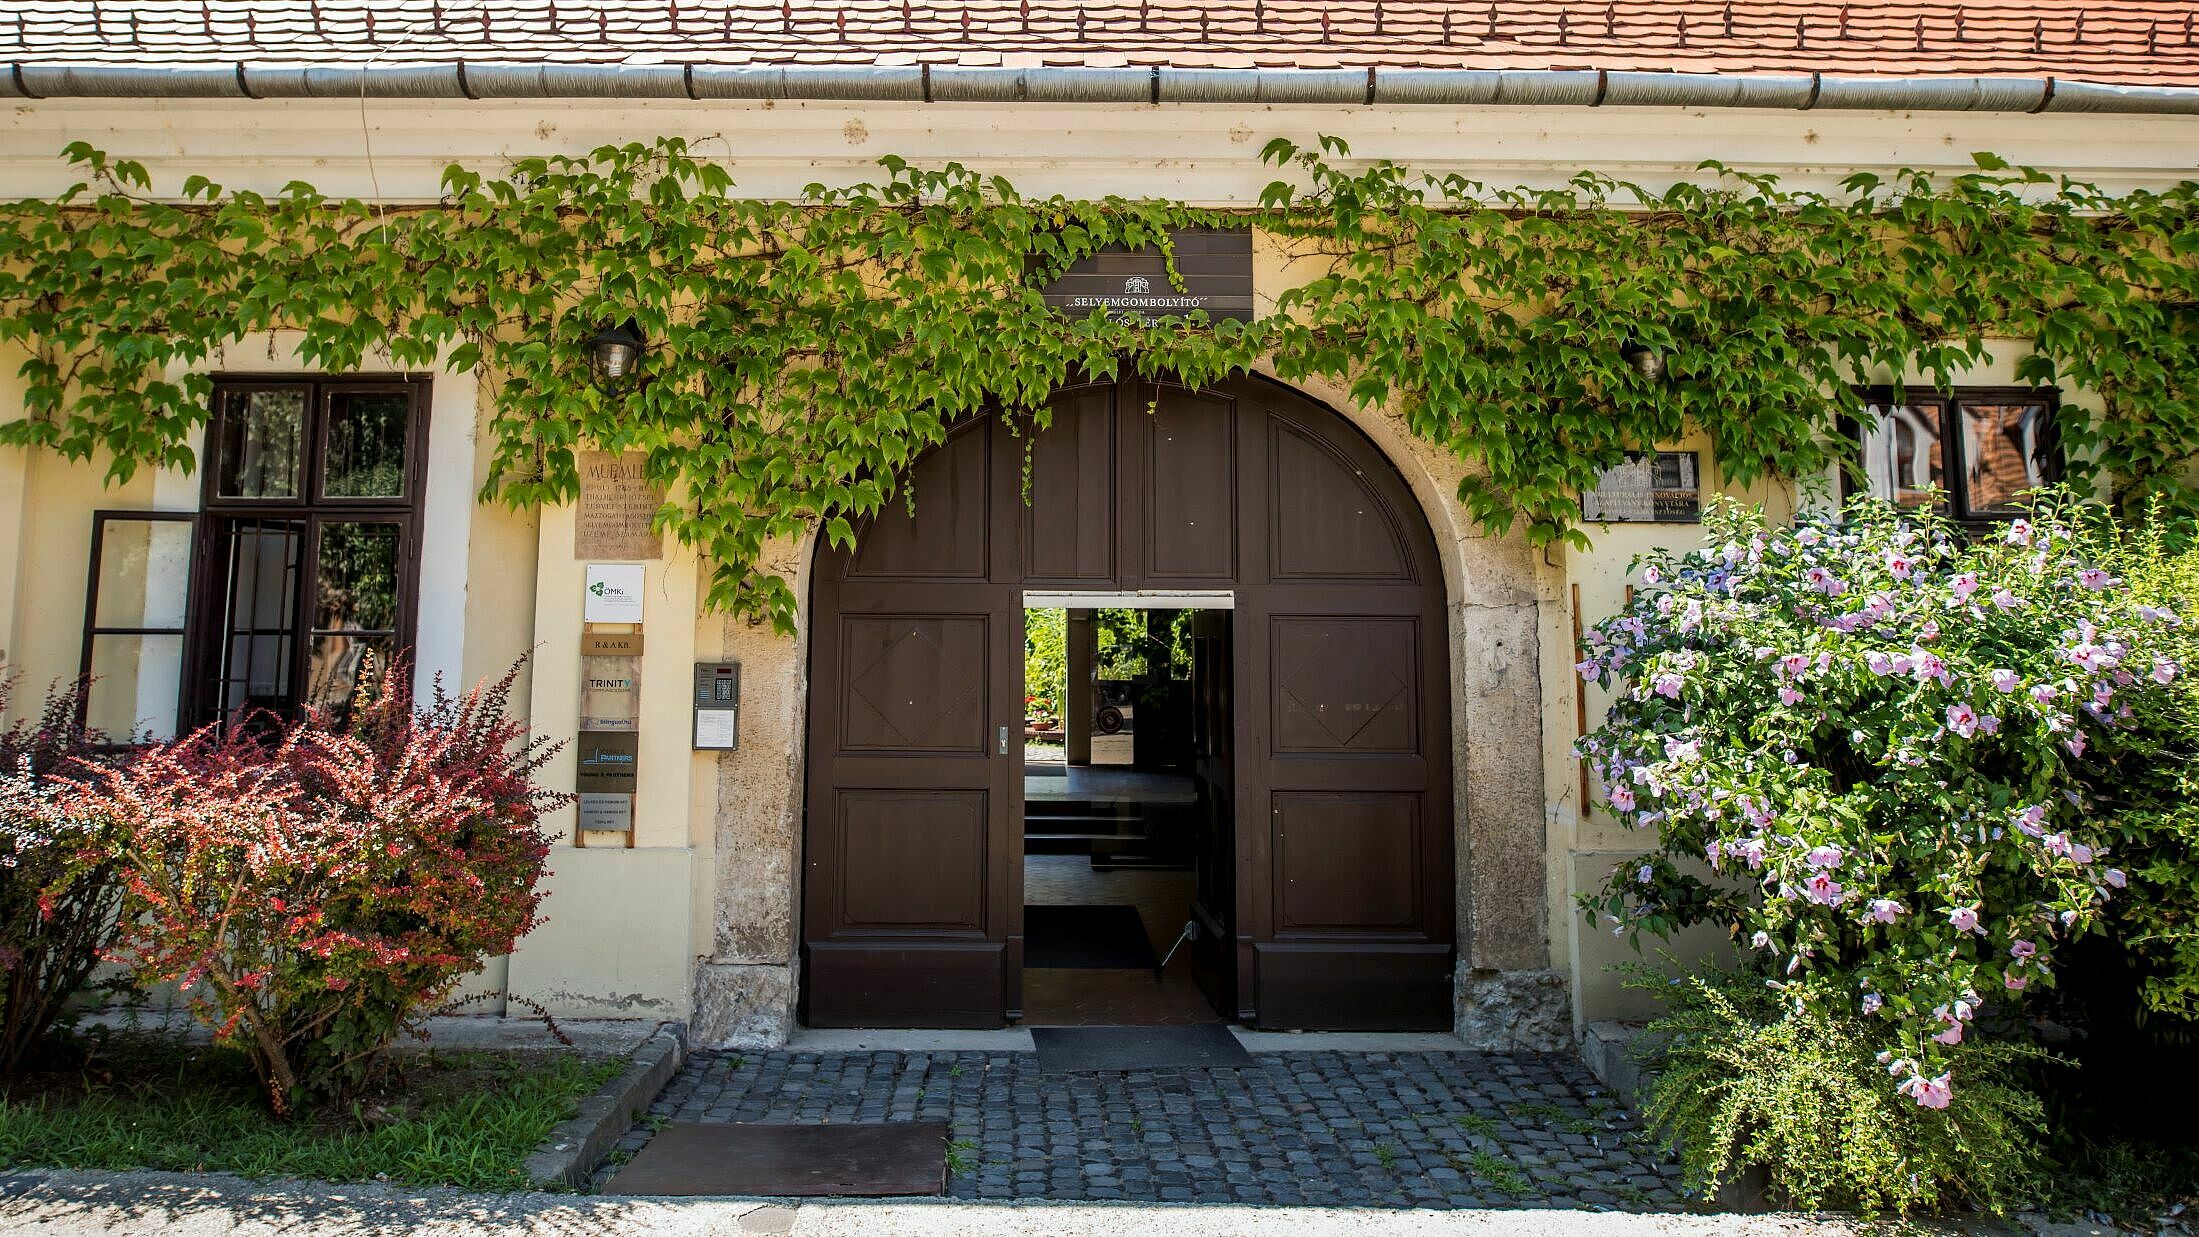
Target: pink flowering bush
1894 762
317 890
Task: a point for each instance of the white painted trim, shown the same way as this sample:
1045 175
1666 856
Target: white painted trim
446 534
397 149
1143 599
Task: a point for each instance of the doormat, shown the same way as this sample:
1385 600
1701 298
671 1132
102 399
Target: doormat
1087 938
807 1161
1089 1050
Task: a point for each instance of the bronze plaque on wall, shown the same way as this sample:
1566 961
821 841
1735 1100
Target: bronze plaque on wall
616 505
1216 266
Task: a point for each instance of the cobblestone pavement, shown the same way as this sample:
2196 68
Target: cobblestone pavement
1453 1130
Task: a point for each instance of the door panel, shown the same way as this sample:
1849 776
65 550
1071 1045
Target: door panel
1190 499
911 807
1069 523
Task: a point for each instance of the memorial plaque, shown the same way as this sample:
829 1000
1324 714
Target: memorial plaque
607 759
610 693
616 505
1651 487
1215 264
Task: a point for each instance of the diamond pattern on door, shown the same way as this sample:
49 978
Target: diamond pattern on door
914 684
1344 685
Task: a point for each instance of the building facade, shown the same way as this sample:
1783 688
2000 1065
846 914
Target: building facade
1407 827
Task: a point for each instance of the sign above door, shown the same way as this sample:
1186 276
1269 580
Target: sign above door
1215 265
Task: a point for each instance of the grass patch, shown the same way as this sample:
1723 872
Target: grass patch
1498 1172
1475 1123
962 1157
466 1119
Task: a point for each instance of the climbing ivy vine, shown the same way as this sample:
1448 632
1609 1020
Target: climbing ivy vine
803 353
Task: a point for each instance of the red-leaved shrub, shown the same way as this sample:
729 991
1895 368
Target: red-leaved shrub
316 889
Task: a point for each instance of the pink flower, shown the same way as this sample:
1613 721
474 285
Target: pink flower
1622 798
2032 819
1952 1035
1794 664
1587 669
2019 532
1788 695
2095 579
2005 599
1964 585
1964 918
1962 719
2163 671
2015 983
2115 877
1929 1093
1823 889
2075 744
1872 1002
1899 565
1667 685
1882 910
2022 951
2004 680
1826 857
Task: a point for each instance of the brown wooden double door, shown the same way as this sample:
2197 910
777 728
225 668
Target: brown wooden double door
1339 746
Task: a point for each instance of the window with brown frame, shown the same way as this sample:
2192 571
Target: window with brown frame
306 569
1968 453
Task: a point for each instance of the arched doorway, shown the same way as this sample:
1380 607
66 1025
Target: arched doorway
1332 902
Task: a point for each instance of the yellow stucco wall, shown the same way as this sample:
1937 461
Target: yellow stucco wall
626 927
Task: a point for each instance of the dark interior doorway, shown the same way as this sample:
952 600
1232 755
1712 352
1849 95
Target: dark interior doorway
1126 815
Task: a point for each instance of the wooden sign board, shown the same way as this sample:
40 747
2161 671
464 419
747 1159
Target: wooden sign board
1216 266
616 505
1651 487
610 643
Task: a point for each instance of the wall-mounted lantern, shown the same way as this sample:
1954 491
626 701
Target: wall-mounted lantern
1647 361
615 353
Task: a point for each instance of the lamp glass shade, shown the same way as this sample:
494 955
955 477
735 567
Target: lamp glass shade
615 352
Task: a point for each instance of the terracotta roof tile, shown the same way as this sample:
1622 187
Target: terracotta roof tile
2139 42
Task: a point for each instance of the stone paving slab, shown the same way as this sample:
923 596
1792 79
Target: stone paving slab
1426 1130
89 1204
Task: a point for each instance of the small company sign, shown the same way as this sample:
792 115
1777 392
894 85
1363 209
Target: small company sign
614 593
1216 266
607 759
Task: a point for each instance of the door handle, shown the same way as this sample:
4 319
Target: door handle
1003 740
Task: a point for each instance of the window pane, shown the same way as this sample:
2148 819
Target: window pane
135 684
261 436
366 445
262 559
144 573
1902 455
338 664
358 578
2000 451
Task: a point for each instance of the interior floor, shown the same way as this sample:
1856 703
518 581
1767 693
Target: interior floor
1091 996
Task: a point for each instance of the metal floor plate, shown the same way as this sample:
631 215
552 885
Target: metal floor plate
807 1161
